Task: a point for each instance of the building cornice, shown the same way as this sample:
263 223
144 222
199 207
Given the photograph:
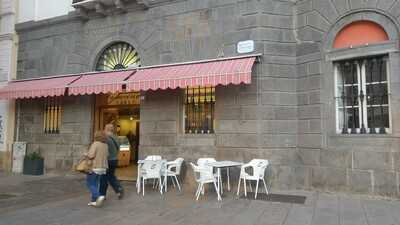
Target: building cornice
32 25
7 37
7 13
91 8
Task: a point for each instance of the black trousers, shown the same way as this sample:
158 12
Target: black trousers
110 178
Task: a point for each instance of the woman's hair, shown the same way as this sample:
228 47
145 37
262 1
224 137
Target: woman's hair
100 136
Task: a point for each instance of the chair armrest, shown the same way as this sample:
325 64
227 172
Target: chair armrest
171 165
206 172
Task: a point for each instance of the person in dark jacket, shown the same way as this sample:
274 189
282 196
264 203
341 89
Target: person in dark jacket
113 149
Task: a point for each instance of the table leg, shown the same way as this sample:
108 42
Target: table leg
227 174
138 180
166 180
219 180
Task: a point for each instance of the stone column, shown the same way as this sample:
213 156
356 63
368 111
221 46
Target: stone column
8 60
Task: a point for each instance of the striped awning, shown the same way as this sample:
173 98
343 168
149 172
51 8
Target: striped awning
35 88
100 82
215 72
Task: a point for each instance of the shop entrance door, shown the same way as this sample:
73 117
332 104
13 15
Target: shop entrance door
123 111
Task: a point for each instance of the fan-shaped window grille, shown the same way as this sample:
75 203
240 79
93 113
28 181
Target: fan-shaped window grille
118 56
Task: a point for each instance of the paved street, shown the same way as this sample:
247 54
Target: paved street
59 200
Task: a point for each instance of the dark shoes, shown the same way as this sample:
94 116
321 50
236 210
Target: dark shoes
121 194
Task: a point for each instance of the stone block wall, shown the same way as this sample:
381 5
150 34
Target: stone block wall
353 163
2 155
61 150
286 115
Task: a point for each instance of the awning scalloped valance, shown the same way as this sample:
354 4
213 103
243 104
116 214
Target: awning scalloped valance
213 72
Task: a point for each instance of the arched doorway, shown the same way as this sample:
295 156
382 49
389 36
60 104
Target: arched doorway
121 109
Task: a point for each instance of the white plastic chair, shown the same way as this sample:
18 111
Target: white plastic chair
202 177
153 157
202 163
258 166
174 170
151 169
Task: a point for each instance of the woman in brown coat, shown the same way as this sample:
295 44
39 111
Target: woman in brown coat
97 155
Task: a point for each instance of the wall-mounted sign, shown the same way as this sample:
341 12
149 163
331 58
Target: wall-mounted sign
19 151
245 46
126 98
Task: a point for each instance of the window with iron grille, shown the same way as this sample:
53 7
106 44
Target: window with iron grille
362 96
199 110
52 115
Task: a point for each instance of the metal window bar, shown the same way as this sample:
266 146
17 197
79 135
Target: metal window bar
59 114
187 124
50 109
212 97
352 97
372 66
193 121
362 130
382 129
199 110
198 114
45 115
54 121
345 128
372 124
204 114
52 115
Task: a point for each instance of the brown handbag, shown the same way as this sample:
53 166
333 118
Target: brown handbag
83 165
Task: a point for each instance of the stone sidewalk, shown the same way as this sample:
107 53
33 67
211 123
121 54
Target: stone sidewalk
66 198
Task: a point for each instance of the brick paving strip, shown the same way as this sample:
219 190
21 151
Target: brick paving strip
62 201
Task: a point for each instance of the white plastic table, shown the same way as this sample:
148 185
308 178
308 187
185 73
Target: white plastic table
227 165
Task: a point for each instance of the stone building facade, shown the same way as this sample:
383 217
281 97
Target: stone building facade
287 114
8 55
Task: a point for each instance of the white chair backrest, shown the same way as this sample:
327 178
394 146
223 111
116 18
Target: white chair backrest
202 162
179 162
152 168
153 157
200 173
175 166
196 171
259 166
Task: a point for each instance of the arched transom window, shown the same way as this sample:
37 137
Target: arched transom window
117 56
360 33
362 83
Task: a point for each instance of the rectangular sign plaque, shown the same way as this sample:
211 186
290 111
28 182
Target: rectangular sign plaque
245 46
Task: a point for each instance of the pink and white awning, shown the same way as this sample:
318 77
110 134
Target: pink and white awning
222 71
35 88
202 73
101 82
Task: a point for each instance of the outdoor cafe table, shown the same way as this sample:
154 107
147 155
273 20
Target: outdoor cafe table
140 163
227 165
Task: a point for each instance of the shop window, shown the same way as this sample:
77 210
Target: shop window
52 115
118 56
199 110
362 96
